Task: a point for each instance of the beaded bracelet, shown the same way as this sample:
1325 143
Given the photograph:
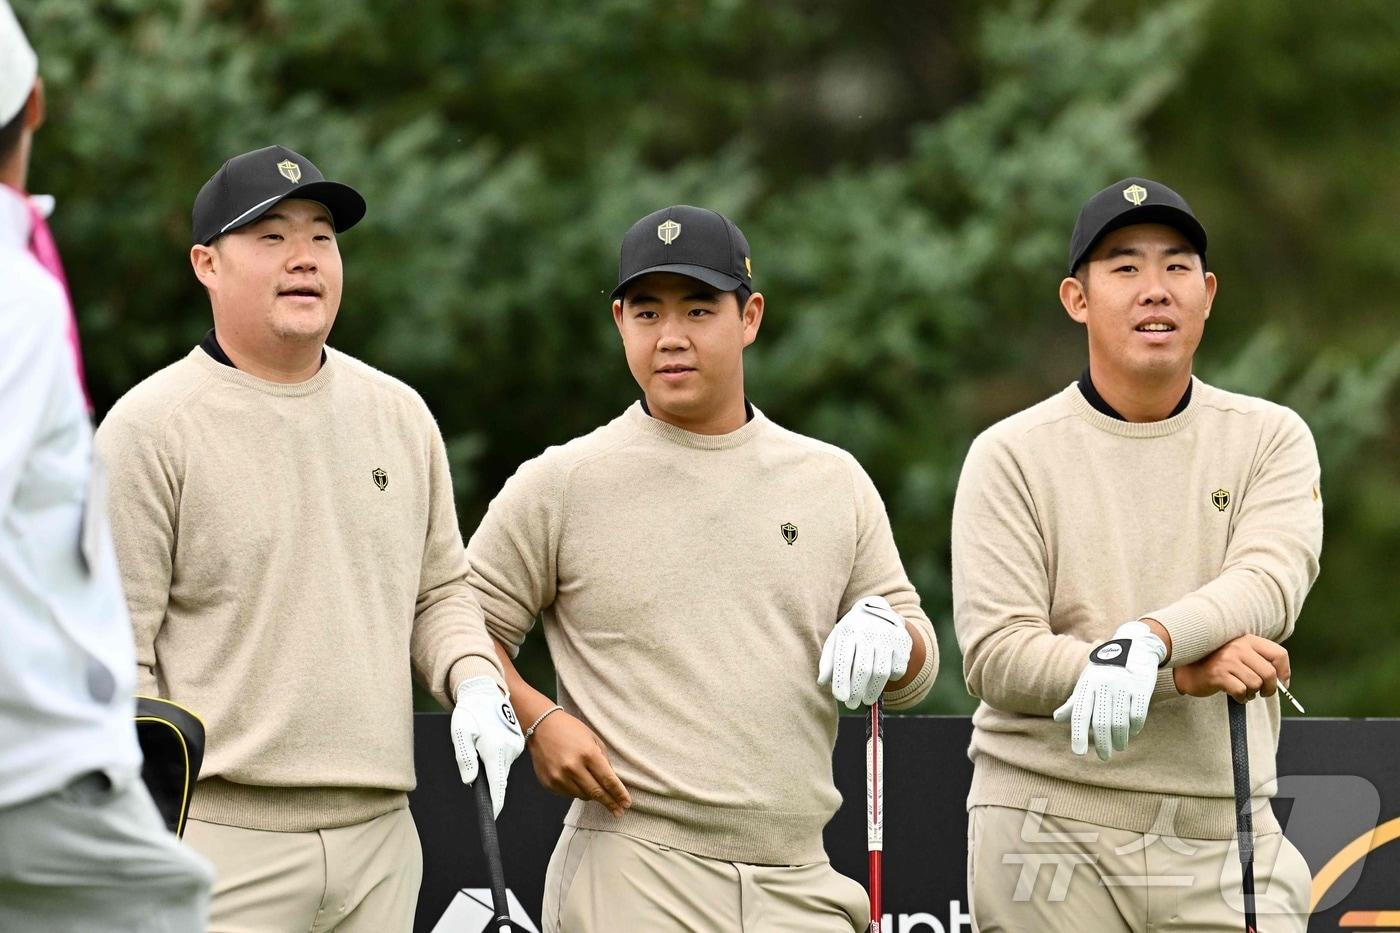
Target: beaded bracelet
543 716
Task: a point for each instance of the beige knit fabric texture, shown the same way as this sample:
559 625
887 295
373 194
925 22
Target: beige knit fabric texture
1068 523
687 584
291 557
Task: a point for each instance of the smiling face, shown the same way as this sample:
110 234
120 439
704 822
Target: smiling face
685 345
1144 298
275 282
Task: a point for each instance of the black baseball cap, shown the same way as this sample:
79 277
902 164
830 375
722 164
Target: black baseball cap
248 185
693 241
1127 202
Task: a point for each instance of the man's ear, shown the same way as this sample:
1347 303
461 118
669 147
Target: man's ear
752 314
1075 298
1211 284
617 314
205 261
34 106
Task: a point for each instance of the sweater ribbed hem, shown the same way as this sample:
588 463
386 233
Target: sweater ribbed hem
290 809
918 688
1191 632
1165 688
997 783
747 835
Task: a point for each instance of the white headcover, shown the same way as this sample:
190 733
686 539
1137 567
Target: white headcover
19 66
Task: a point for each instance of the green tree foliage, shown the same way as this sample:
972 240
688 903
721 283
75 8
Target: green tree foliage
907 174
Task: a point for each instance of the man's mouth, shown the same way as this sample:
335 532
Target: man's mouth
299 292
674 369
1155 327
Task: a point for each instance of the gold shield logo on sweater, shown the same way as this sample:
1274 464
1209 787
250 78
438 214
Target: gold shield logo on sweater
1220 499
789 531
1135 194
290 170
381 479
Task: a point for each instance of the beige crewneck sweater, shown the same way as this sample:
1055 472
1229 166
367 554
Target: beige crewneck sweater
1067 524
685 628
290 555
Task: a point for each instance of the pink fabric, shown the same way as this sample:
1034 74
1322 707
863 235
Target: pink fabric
45 250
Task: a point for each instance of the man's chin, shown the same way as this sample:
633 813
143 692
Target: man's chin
301 329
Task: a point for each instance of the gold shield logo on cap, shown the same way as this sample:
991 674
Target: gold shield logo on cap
1135 194
290 170
668 231
748 267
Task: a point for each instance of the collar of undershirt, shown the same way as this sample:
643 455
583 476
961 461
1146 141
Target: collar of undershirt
1092 396
210 345
641 419
1079 402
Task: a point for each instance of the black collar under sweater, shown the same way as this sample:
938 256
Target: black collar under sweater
1092 396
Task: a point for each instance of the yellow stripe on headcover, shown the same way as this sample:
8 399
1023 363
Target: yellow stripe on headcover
181 707
184 751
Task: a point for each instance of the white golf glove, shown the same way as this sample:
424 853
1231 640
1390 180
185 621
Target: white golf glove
1114 690
868 648
484 726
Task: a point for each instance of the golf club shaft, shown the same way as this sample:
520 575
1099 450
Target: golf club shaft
1244 813
875 813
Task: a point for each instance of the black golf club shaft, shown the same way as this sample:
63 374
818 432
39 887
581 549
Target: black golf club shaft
1244 813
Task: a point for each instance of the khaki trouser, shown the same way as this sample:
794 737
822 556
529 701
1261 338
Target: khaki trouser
1031 871
94 858
354 879
601 881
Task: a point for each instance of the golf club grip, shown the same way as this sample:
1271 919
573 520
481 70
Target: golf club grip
1239 761
490 843
875 812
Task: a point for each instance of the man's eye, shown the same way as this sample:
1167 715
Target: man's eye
646 315
697 312
1126 269
272 236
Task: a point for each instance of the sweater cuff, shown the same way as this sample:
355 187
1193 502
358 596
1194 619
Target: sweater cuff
1166 686
1191 632
918 688
469 667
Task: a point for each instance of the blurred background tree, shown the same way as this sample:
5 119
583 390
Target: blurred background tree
907 174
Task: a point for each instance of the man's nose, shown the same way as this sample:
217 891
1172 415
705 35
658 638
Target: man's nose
302 258
1154 288
673 335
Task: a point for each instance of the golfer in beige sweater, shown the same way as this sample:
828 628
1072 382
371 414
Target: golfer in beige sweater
1180 524
709 582
287 539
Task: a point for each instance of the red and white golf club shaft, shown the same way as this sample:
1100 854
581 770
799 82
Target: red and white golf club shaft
875 814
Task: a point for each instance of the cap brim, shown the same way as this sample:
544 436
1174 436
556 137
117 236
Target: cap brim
1165 214
345 204
719 280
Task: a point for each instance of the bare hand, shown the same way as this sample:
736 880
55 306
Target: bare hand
1245 667
570 760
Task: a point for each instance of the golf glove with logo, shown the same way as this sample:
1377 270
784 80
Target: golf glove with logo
868 648
1114 690
486 735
